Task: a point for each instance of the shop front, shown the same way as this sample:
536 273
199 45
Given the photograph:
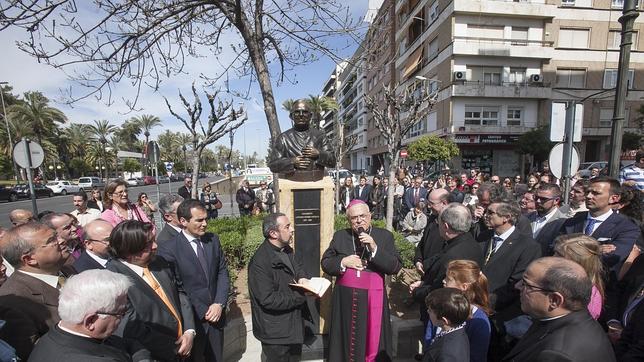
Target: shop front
492 154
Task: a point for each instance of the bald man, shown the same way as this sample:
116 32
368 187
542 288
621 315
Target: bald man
20 216
97 246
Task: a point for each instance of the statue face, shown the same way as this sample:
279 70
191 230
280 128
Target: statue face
301 115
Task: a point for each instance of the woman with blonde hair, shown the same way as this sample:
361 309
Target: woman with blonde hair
466 276
585 251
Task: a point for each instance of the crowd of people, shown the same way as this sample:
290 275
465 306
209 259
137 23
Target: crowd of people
506 272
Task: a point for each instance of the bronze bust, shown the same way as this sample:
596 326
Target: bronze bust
301 153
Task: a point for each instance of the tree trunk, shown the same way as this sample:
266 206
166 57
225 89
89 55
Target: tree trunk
390 192
196 155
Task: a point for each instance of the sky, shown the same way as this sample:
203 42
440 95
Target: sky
24 73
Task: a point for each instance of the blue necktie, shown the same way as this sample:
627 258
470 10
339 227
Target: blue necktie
589 228
495 241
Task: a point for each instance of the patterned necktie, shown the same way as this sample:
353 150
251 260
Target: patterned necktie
495 241
589 228
157 289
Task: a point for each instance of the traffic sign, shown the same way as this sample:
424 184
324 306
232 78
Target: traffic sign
36 153
169 166
153 151
403 153
555 160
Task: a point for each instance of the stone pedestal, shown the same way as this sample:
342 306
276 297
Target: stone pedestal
310 207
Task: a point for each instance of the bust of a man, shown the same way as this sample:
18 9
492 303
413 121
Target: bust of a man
301 153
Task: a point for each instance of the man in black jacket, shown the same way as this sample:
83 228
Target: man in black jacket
245 198
555 292
277 307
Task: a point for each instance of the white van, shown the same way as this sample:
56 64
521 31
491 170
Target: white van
87 183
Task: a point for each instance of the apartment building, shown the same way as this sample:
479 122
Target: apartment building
498 65
328 121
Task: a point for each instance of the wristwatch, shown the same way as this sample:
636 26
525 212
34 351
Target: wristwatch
191 331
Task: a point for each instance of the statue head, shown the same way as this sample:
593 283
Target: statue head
301 114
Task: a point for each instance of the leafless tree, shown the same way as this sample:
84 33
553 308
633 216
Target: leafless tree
102 42
222 119
341 144
394 116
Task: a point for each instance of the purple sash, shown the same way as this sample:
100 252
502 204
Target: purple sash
375 284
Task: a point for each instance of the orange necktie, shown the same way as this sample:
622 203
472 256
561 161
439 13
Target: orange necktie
157 289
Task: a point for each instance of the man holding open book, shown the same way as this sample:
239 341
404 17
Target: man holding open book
276 303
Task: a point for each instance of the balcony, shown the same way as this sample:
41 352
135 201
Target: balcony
526 8
503 90
535 49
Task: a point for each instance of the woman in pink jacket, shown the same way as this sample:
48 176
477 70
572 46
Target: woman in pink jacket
117 206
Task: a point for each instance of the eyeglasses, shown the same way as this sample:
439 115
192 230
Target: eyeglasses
105 241
544 199
495 181
357 217
117 314
120 193
524 284
490 212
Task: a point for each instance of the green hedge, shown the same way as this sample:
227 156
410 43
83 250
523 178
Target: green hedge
241 236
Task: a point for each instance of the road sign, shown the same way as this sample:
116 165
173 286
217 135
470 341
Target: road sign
558 122
36 154
403 153
169 166
556 158
153 151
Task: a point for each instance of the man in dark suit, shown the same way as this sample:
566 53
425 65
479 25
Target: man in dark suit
245 198
201 264
555 292
97 246
454 224
91 306
159 323
414 194
431 242
363 190
168 205
629 329
547 220
507 254
276 306
29 297
186 190
489 193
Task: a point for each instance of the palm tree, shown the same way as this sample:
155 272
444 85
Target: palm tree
76 137
318 106
184 140
102 130
146 122
169 145
288 105
36 112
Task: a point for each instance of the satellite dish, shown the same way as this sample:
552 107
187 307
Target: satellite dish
556 159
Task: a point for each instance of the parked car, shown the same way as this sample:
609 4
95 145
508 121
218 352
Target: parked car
63 187
584 168
87 183
135 181
163 179
23 191
344 173
8 194
149 180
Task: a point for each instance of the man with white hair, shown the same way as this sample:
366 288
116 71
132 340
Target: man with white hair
90 306
168 205
20 216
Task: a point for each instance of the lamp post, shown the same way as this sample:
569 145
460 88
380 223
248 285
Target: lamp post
103 142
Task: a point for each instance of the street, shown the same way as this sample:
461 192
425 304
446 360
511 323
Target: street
64 203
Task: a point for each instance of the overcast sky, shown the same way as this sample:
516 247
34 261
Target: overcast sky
24 73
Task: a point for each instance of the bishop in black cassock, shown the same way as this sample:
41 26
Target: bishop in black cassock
359 258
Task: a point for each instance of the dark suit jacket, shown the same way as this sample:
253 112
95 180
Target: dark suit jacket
505 268
30 308
85 262
409 196
574 337
168 233
364 195
617 230
203 291
430 244
630 347
548 233
184 192
483 234
453 346
148 328
60 346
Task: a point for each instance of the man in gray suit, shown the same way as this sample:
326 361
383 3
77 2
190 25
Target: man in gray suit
547 220
168 205
29 297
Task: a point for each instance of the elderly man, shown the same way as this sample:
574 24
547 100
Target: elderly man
201 264
360 257
20 216
83 214
276 307
555 292
90 306
97 246
301 148
29 297
487 194
547 219
431 242
168 205
186 190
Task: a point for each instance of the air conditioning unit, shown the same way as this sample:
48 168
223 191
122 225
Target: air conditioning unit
536 78
459 75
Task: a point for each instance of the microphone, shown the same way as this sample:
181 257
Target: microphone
360 231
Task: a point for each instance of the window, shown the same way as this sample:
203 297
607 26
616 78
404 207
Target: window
574 38
514 116
492 77
567 2
433 12
433 48
433 86
517 75
617 4
485 31
416 130
481 116
519 36
606 117
615 39
570 78
610 78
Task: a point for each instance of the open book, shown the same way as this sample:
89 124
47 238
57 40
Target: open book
317 286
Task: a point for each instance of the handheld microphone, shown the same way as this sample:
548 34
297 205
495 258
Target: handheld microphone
360 231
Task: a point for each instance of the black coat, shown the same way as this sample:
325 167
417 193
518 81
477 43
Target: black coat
184 192
276 307
85 262
505 268
630 346
452 347
549 231
430 244
364 195
60 346
168 233
245 198
483 234
574 337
